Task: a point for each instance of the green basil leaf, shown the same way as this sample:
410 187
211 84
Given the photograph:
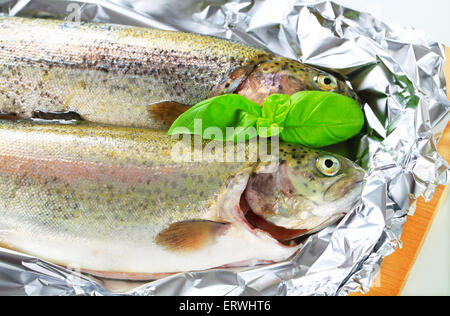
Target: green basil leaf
225 117
276 107
318 118
267 128
274 111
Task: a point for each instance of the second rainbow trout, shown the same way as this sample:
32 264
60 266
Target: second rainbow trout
119 202
131 76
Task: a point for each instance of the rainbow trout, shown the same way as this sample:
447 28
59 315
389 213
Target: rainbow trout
131 76
119 202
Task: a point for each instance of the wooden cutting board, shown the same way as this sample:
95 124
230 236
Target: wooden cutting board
395 267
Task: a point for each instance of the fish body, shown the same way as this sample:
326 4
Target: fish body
131 76
119 202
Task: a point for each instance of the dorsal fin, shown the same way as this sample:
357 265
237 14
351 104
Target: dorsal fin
189 236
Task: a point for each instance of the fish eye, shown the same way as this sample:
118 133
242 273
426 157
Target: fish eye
325 82
328 165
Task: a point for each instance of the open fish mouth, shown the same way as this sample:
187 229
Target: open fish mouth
258 223
284 236
341 196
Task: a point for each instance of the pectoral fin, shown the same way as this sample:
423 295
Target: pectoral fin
166 112
190 236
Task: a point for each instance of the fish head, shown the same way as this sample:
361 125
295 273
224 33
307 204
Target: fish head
307 188
286 76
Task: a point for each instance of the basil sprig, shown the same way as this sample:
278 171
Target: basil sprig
310 118
221 112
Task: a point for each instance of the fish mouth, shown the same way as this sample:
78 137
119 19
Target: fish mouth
343 187
256 223
287 236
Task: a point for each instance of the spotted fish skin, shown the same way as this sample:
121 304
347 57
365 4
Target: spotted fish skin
119 201
110 73
96 197
116 74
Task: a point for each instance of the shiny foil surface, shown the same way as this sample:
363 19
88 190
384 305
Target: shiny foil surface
397 72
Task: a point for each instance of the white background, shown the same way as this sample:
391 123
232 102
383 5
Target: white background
430 16
430 273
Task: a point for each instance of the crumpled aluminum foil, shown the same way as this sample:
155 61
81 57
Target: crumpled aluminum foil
397 71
